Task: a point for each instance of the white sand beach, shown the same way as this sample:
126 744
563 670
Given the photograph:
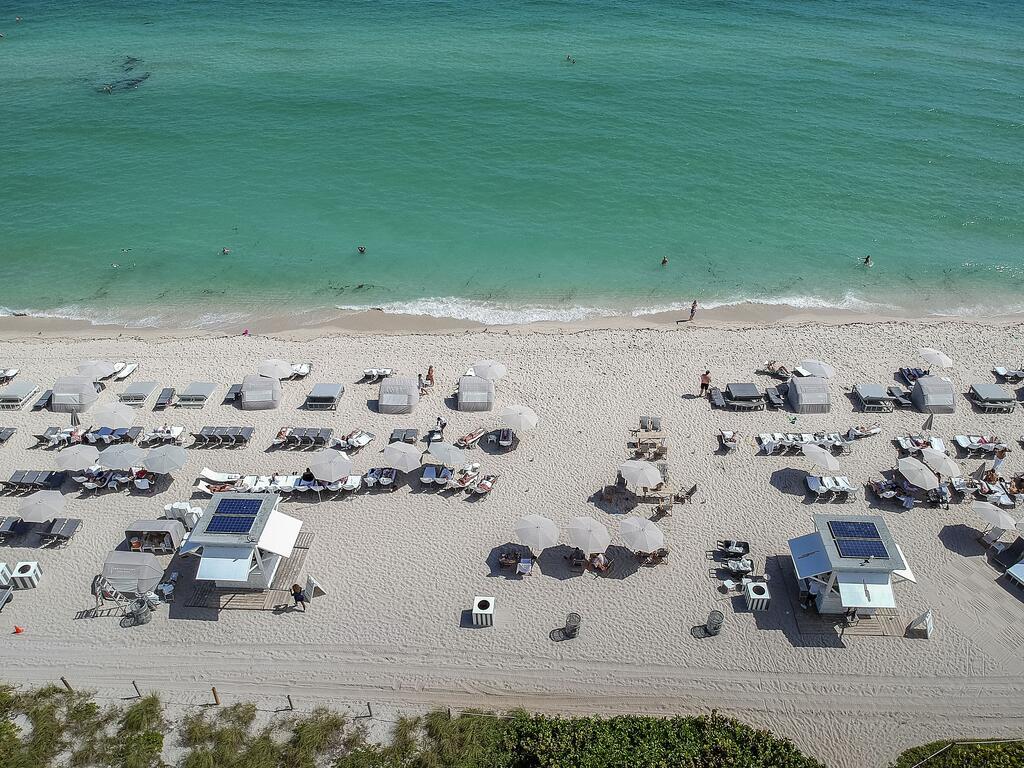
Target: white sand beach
399 568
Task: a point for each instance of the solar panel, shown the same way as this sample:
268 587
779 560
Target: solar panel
848 529
230 524
250 507
861 548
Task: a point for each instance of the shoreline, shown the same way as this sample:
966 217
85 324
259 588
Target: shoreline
377 322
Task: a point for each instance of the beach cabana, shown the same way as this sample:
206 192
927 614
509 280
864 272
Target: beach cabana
132 573
809 394
849 564
260 393
933 395
398 394
475 394
73 394
242 540
14 396
161 537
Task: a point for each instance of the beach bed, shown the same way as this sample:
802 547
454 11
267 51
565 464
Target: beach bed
14 396
873 398
196 394
324 397
138 393
991 398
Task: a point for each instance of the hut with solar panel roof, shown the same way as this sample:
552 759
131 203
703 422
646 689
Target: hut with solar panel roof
242 539
849 565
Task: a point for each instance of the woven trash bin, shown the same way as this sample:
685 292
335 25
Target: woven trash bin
714 623
140 612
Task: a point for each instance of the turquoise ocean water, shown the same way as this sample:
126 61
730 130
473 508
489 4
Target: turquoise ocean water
764 146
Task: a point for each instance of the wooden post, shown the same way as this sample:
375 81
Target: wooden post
290 705
369 709
136 687
216 697
67 684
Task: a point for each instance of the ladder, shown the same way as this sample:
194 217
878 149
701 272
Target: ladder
104 592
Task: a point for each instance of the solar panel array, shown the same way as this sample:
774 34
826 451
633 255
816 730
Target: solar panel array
234 516
858 539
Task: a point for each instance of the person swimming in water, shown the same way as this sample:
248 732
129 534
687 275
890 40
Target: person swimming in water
664 261
361 248
867 261
225 251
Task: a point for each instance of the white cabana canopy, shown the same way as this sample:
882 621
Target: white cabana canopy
279 534
133 573
260 393
809 394
933 395
225 563
73 394
475 394
865 590
398 394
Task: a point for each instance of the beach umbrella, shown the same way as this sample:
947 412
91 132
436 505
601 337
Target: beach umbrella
41 505
489 369
76 419
402 456
818 368
165 459
447 454
918 474
640 474
641 535
588 535
940 462
993 515
519 417
77 457
96 369
114 415
935 358
275 368
929 423
122 457
536 532
821 458
330 465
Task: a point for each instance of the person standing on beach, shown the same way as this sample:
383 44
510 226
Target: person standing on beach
693 309
997 463
299 596
705 383
430 376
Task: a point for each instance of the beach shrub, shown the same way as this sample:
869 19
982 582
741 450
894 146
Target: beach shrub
983 755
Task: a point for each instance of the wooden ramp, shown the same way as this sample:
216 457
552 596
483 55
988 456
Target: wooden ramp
206 595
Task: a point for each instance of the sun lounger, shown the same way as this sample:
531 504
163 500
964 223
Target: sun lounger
485 484
127 371
728 440
7 375
464 477
373 375
324 397
138 393
14 396
774 399
43 401
60 532
506 438
910 375
165 399
979 445
716 398
775 370
991 398
233 395
6 433
1009 375
900 397
1006 556
429 474
818 487
301 370
467 441
195 394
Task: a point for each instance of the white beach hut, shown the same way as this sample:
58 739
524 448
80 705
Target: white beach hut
475 394
73 394
932 394
260 393
809 394
398 394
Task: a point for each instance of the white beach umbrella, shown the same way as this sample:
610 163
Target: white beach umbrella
447 454
941 463
77 457
935 358
96 369
330 465
818 368
114 416
122 457
588 535
165 459
641 535
993 515
536 532
640 474
490 369
918 474
275 368
41 505
821 458
402 456
519 417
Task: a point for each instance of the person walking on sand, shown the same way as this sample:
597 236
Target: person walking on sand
997 463
299 596
430 376
693 309
705 383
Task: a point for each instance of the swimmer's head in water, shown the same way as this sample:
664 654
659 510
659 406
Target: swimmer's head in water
361 249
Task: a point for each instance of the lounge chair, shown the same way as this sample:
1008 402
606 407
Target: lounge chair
818 487
126 371
233 395
60 532
372 478
652 558
1009 375
301 370
506 438
444 476
352 483
195 394
855 433
774 398
910 375
467 441
6 433
732 548
775 370
324 397
1006 556
7 375
979 445
165 399
429 474
43 401
716 398
485 484
464 477
728 440
900 397
656 423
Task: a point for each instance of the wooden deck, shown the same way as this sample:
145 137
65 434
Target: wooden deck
206 595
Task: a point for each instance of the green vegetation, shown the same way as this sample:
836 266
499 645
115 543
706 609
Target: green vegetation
982 755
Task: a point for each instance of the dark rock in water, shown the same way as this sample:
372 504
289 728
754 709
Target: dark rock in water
129 63
124 84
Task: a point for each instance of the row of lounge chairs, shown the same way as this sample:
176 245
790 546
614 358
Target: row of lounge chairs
303 437
214 482
779 442
6 433
52 533
969 445
27 480
164 434
466 478
831 488
219 437
100 479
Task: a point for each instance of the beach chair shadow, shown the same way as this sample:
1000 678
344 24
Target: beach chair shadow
792 483
962 540
555 563
374 405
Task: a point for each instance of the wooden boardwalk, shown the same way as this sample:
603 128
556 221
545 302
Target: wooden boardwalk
206 595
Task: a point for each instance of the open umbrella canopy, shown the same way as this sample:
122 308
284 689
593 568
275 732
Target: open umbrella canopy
519 417
818 368
640 474
114 416
122 457
165 459
536 532
77 457
446 454
821 458
641 535
993 515
935 358
941 463
330 465
918 474
275 368
489 369
588 535
402 456
96 369
41 505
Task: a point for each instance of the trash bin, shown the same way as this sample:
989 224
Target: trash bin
714 622
5 575
483 611
757 597
140 612
572 625
26 575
